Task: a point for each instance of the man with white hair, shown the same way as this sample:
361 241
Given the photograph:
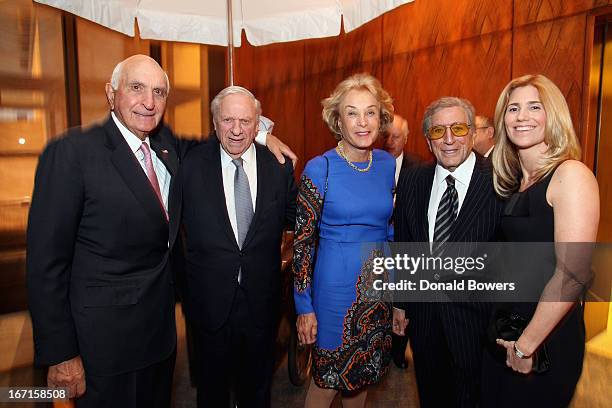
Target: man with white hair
237 199
100 239
451 200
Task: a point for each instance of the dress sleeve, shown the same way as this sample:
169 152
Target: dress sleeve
308 214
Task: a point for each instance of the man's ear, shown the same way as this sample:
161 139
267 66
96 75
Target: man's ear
110 95
429 144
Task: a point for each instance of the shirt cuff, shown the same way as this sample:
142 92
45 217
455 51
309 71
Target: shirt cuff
262 137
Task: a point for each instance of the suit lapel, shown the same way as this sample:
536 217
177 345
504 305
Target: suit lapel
422 204
165 149
214 178
166 152
264 190
131 172
475 198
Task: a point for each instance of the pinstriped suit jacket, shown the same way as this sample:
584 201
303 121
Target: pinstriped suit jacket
459 327
478 220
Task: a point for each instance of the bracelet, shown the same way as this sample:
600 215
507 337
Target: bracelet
519 353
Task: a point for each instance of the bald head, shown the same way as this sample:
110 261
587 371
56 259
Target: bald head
138 58
397 136
137 94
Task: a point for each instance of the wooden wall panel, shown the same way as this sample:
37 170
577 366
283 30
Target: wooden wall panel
530 11
356 47
285 106
277 81
421 51
555 49
475 69
244 69
425 24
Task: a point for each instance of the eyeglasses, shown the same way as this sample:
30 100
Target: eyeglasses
457 129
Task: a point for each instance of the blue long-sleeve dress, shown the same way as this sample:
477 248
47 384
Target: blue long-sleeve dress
354 323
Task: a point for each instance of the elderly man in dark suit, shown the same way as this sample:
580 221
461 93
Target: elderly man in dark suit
99 249
451 200
236 202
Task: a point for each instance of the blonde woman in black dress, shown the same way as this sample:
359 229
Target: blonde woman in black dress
552 197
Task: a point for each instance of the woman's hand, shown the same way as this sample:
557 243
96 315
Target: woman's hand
307 328
520 365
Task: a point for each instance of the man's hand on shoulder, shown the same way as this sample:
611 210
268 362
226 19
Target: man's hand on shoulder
69 374
279 149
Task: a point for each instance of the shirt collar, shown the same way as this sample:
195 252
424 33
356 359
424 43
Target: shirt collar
248 156
462 174
132 140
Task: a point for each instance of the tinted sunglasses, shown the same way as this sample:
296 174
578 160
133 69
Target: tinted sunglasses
457 129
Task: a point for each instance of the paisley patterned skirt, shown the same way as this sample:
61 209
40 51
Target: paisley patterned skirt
365 352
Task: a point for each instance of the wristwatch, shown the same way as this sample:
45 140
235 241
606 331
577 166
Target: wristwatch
519 353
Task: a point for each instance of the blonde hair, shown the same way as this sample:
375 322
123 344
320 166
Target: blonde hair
559 135
331 105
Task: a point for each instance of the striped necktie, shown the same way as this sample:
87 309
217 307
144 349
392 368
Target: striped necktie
447 213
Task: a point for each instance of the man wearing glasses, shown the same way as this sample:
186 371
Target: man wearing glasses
449 201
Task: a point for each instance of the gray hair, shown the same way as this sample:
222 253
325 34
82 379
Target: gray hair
215 105
118 71
447 102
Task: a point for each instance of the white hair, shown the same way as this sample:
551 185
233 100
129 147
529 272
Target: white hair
117 72
215 105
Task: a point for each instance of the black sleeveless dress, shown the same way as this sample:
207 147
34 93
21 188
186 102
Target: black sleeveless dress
529 218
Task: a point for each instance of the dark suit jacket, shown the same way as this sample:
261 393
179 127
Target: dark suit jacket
480 212
213 257
98 258
478 219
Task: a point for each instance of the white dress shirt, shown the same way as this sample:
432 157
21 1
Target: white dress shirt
162 173
228 170
398 166
462 175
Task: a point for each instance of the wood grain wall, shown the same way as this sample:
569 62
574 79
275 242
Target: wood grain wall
421 51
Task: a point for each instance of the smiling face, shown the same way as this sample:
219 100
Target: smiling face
359 119
451 150
236 124
525 117
139 101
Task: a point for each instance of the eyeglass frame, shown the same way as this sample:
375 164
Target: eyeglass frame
469 126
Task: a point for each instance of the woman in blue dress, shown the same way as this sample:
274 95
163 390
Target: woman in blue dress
338 310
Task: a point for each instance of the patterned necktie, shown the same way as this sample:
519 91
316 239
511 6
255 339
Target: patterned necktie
144 148
243 201
447 213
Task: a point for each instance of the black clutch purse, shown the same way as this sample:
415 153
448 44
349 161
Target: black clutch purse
509 326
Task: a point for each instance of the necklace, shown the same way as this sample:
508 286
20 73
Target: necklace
340 150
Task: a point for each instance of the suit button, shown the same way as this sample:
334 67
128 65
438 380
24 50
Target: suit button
241 254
